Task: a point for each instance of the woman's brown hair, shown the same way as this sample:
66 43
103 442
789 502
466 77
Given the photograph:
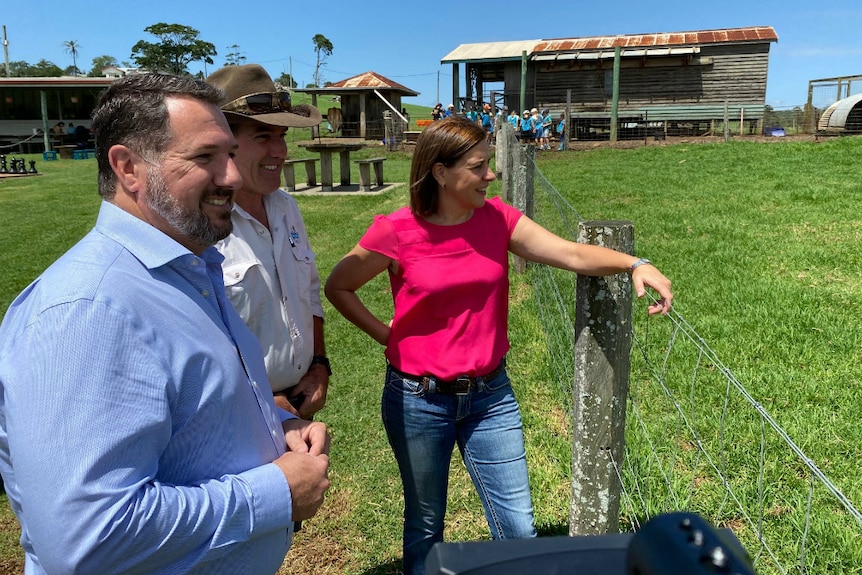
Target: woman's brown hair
446 142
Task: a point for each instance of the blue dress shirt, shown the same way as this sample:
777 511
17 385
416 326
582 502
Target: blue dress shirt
137 427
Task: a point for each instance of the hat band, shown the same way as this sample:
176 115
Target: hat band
260 103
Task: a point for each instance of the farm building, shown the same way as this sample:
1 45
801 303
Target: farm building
29 107
842 117
364 99
684 81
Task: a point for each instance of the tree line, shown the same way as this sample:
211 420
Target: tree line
175 48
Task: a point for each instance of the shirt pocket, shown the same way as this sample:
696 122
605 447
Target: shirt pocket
246 288
302 254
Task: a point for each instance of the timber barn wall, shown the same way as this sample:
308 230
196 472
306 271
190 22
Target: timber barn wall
735 74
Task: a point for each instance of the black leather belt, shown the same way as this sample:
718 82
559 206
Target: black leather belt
462 385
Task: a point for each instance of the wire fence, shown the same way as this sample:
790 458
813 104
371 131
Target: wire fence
696 439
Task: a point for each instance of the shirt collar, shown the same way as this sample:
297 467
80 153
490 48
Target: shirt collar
152 247
271 202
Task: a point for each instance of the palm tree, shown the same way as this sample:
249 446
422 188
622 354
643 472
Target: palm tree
72 48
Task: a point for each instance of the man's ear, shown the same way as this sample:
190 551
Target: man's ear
129 168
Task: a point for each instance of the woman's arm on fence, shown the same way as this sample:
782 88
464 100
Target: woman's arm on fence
534 243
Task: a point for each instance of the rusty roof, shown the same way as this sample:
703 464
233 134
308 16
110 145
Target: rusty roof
371 80
495 51
726 35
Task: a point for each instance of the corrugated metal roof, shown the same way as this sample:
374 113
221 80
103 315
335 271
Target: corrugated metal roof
371 80
487 51
491 51
698 37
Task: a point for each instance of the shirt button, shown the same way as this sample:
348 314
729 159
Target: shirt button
195 262
205 293
236 275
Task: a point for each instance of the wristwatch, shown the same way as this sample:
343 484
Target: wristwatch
322 360
639 263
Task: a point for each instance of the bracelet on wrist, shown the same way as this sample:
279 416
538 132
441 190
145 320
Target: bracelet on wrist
638 264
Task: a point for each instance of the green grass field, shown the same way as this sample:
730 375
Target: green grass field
760 240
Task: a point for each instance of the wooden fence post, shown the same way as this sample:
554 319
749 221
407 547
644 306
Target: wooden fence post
503 157
603 325
524 167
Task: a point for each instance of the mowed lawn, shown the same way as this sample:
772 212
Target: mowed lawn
761 241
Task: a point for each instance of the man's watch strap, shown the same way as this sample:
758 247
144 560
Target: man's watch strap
322 360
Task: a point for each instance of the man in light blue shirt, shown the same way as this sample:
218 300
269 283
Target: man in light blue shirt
138 432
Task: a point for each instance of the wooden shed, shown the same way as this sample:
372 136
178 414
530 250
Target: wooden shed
683 79
363 101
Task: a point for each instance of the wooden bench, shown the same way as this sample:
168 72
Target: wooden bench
365 173
290 175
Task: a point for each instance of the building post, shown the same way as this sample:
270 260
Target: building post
615 98
523 105
362 116
46 133
456 85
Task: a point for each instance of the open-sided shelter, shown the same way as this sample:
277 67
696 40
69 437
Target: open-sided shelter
31 105
363 100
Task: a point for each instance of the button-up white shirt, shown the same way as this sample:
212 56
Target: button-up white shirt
271 278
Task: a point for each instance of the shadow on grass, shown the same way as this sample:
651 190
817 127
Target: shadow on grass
553 530
390 568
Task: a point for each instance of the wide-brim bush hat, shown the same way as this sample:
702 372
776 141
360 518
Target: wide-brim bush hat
250 93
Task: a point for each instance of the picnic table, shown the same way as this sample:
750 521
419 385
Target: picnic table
326 149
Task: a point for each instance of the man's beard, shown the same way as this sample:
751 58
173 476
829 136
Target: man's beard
189 222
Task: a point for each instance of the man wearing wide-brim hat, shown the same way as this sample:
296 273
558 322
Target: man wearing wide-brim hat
269 270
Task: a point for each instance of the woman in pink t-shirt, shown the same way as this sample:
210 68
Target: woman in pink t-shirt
446 383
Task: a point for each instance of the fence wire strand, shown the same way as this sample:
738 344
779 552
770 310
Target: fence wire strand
752 489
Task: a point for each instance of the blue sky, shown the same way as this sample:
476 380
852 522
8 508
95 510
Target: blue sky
405 41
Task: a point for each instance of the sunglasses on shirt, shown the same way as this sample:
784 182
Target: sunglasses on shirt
262 103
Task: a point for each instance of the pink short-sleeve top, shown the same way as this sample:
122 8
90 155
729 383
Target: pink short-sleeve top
451 292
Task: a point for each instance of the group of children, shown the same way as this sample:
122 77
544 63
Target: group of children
536 127
533 126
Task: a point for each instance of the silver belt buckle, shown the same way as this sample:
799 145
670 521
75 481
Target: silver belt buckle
469 384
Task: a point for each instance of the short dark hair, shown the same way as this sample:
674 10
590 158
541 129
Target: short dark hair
132 112
445 141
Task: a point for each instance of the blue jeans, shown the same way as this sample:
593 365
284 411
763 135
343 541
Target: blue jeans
423 429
